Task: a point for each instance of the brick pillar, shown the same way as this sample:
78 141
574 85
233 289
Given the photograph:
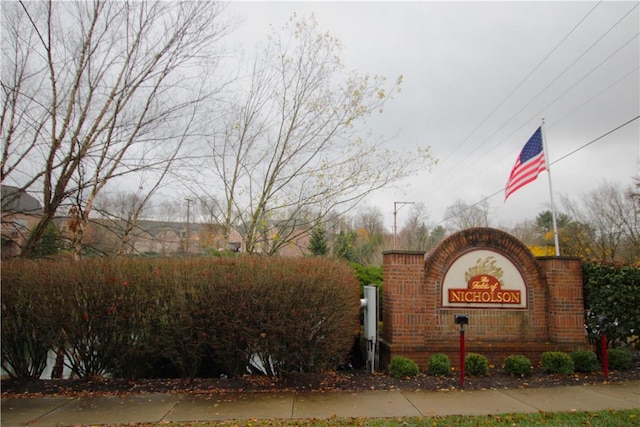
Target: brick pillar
566 303
404 299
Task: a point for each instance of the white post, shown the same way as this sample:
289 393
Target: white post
370 305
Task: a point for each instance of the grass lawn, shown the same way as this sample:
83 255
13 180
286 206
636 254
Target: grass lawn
628 417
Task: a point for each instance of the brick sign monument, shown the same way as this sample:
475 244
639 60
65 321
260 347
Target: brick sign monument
516 303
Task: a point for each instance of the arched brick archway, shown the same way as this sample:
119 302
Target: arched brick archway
418 317
450 249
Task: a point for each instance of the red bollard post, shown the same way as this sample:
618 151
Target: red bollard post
605 356
461 356
461 319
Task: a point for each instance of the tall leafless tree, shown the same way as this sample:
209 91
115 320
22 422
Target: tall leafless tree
415 233
93 91
612 212
461 215
368 224
295 146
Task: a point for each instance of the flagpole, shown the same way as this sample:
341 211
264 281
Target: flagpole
553 207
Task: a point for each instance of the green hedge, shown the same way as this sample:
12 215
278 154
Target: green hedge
620 359
120 316
612 291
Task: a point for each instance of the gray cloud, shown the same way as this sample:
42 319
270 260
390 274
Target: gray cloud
472 90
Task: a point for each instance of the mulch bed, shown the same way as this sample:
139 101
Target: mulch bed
351 381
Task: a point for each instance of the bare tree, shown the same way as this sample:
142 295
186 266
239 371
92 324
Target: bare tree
370 219
527 232
415 233
169 210
612 214
119 214
295 146
93 91
369 227
460 215
208 210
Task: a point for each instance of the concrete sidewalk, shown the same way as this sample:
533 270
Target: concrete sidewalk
63 411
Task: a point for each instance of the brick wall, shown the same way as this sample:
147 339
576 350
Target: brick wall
566 306
405 317
416 325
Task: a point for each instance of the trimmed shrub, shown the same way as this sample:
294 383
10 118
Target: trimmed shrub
518 365
584 361
439 364
476 364
26 338
557 362
123 316
401 366
304 314
619 359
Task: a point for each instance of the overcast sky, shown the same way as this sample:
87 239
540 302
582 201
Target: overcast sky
478 78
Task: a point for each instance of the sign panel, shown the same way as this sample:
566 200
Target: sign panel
483 278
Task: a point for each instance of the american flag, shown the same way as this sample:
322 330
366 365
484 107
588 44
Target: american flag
528 165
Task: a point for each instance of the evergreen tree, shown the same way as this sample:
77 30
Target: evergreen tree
318 243
344 246
49 243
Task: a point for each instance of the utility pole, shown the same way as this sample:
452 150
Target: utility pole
395 214
187 240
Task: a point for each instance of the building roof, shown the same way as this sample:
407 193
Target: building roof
16 200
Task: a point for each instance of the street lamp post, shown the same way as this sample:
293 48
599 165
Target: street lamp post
395 214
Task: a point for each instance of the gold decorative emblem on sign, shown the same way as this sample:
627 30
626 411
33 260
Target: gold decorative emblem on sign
484 266
484 285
